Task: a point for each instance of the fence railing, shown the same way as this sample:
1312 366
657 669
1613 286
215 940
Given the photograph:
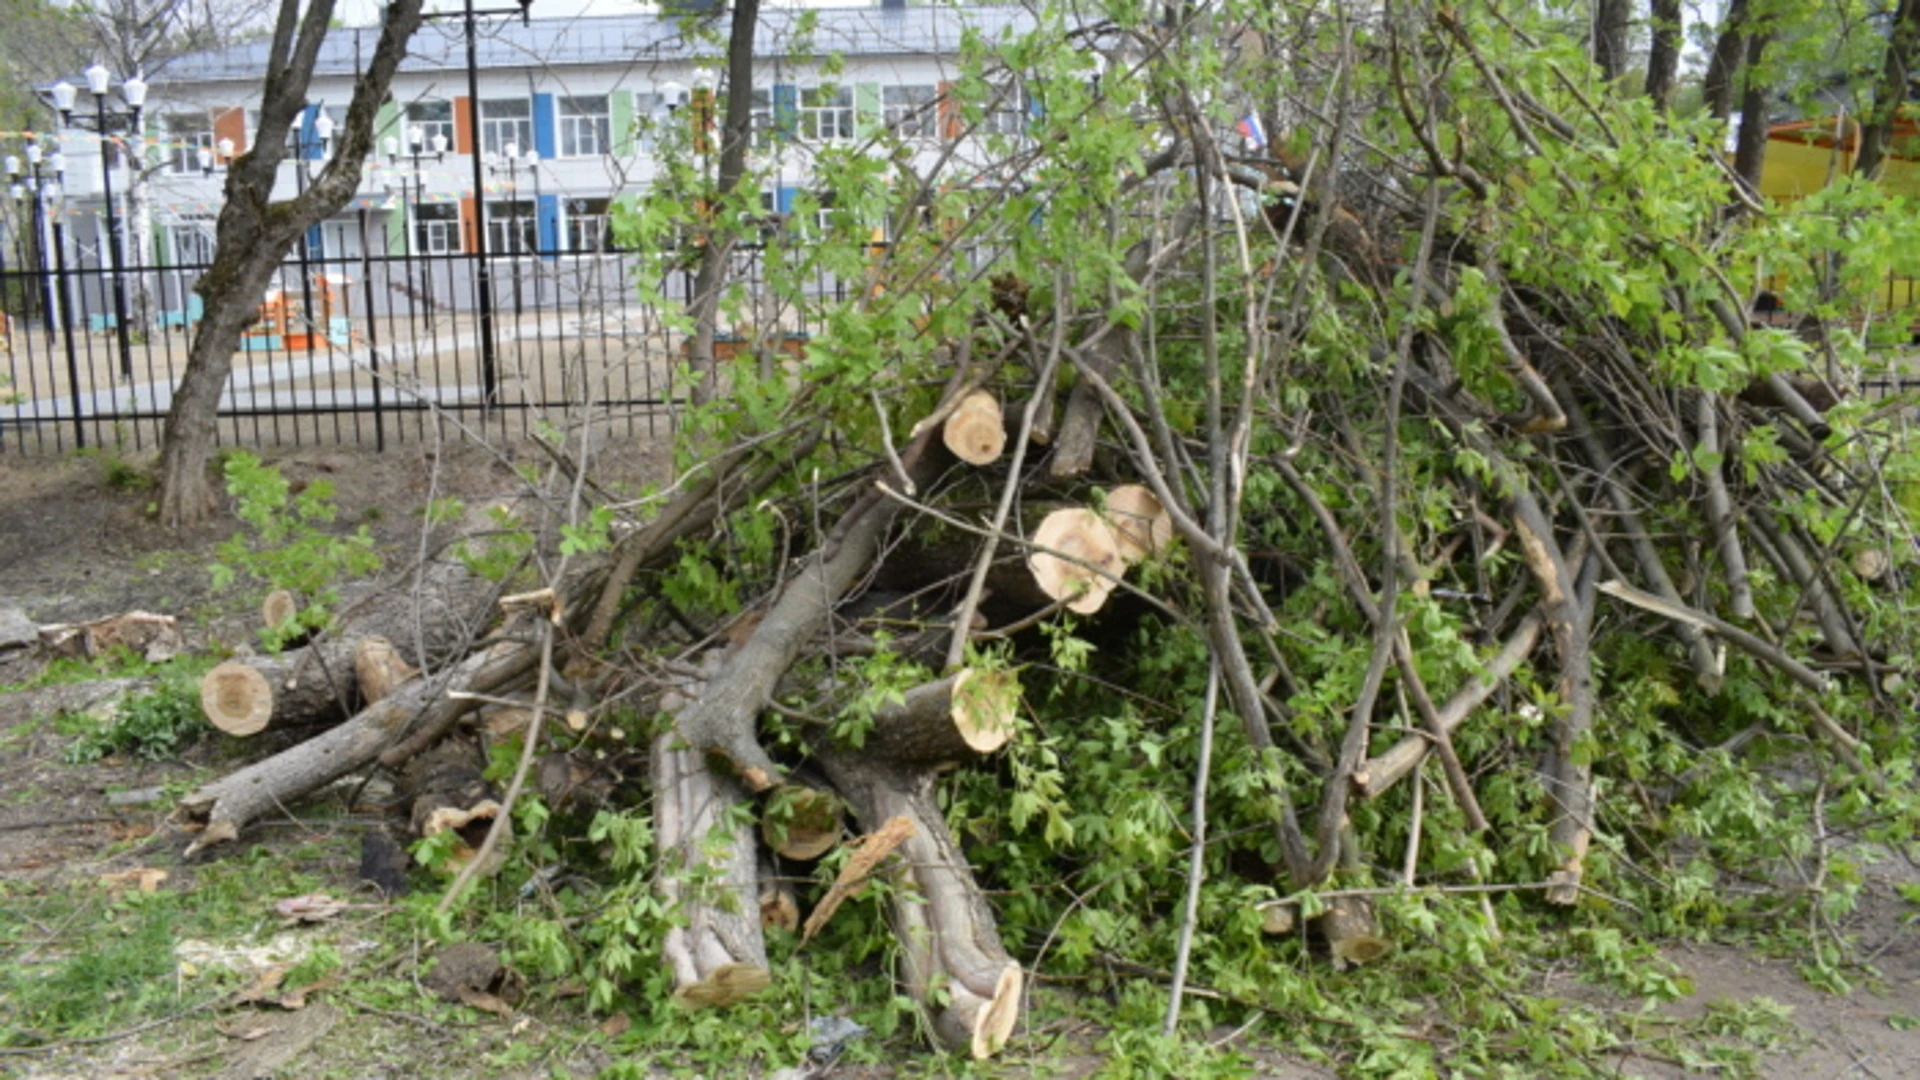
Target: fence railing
354 344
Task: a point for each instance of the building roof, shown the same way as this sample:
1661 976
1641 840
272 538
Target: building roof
504 42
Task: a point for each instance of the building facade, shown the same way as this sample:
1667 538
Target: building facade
570 116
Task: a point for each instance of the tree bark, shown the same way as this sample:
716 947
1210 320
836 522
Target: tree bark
736 136
254 233
1610 19
1729 49
947 934
1750 145
1891 91
1663 57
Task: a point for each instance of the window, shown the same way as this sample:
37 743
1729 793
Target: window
512 228
1006 112
587 227
585 126
193 242
432 118
506 123
910 111
761 123
436 228
186 135
826 113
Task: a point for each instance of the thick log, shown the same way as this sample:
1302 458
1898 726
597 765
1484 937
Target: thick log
966 715
709 864
779 910
221 809
378 669
976 432
1140 524
801 823
948 938
1091 565
278 609
431 616
152 637
1350 931
236 698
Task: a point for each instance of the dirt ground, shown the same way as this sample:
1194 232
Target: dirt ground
73 546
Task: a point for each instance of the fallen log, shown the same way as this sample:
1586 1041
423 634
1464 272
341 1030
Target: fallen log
966 715
976 433
951 958
218 811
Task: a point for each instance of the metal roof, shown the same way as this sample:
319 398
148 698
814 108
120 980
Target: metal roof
506 43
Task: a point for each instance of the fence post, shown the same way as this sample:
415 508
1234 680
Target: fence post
373 331
66 313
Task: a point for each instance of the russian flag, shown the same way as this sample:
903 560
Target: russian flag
1250 130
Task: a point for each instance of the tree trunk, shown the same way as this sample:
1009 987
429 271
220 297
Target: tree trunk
1750 149
254 233
1663 58
1729 49
1610 19
1891 91
736 137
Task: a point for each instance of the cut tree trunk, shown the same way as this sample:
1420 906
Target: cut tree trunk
976 432
709 868
1079 560
952 961
966 715
221 809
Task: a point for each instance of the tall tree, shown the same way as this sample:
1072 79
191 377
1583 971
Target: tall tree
1610 22
736 134
1663 56
1729 50
255 232
1891 91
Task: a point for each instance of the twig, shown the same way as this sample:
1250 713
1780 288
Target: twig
1196 864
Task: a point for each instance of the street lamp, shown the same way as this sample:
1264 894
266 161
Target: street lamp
39 179
206 160
415 156
509 163
470 23
106 123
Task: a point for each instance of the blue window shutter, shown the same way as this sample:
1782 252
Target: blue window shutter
545 127
547 222
783 199
309 139
786 110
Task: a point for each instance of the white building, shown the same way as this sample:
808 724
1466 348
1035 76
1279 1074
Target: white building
581 100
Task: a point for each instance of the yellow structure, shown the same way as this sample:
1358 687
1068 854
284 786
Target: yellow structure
1803 156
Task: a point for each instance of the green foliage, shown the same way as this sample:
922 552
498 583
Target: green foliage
286 548
152 727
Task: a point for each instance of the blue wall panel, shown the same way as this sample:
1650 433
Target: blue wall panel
545 127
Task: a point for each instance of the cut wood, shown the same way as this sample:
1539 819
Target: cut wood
378 668
280 608
801 823
1348 927
976 432
236 699
450 793
153 638
873 849
709 864
778 908
966 715
220 809
946 930
1140 524
1077 559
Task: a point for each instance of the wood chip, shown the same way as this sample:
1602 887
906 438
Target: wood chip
853 877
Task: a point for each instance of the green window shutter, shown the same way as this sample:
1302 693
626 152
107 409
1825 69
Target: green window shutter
397 231
867 113
622 106
385 122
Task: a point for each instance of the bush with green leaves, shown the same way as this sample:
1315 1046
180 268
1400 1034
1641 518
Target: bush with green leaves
285 545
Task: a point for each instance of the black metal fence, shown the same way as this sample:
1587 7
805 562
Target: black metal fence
356 343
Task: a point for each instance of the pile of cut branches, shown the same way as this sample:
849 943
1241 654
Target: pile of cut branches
1161 507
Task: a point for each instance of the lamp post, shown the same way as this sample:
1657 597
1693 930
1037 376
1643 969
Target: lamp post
40 180
106 123
509 163
470 24
415 157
